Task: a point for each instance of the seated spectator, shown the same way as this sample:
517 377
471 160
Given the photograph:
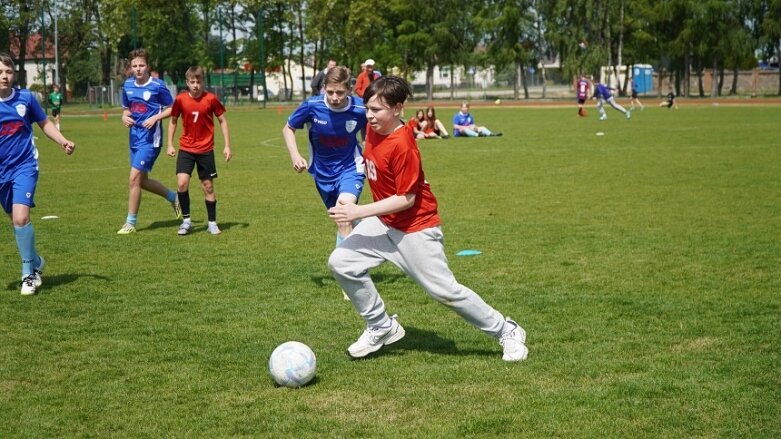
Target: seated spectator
418 124
670 101
464 124
434 125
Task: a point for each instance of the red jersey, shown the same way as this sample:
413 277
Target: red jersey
197 121
393 167
414 123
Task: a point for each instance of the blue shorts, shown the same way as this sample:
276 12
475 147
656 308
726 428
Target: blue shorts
20 190
143 158
349 182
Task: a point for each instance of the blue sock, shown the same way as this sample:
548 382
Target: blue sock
25 241
131 218
339 239
170 196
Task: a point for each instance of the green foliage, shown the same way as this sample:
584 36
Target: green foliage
643 264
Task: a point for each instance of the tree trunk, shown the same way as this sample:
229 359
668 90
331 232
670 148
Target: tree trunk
452 83
301 41
700 87
517 79
430 80
734 89
524 82
714 88
721 80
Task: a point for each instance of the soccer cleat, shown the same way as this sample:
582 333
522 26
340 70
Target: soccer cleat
497 134
514 343
213 229
177 208
28 285
38 272
375 338
185 228
127 229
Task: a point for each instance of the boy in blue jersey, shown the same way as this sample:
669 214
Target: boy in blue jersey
464 124
146 101
336 159
603 94
19 167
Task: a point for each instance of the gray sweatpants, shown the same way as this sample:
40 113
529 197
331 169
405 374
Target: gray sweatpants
421 255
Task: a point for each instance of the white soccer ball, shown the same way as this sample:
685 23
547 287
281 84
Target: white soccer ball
292 364
498 101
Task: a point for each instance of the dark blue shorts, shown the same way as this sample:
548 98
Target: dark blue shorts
348 182
144 158
20 190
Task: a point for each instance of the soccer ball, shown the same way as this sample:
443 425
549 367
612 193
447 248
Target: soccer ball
292 364
498 101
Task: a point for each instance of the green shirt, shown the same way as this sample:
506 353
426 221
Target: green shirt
55 98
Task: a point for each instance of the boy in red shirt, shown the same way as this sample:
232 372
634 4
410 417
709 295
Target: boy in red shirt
196 145
402 226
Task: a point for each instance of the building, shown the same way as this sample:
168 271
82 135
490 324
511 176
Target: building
33 68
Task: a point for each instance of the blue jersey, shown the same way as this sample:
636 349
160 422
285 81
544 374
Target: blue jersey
603 92
463 119
333 136
17 150
144 101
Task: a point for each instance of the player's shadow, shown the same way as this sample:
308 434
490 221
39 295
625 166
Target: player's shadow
59 279
428 341
378 278
197 227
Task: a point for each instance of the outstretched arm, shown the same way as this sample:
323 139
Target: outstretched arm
53 133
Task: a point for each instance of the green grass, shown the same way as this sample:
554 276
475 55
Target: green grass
644 265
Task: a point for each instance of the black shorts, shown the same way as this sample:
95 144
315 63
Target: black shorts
55 112
634 95
186 162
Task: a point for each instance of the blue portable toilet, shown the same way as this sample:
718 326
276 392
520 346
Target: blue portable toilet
643 74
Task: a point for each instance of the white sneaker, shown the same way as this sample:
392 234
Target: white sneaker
127 229
185 228
38 273
602 117
28 285
375 338
628 114
213 229
514 343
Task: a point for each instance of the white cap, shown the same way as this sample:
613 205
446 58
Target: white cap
369 62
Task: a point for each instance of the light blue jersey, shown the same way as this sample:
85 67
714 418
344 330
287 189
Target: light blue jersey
144 101
333 136
18 112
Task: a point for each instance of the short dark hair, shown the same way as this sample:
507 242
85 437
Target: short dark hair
7 60
391 89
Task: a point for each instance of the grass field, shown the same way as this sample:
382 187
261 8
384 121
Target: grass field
644 265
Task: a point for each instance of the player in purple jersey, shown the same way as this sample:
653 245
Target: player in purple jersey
146 101
336 160
582 88
603 94
19 167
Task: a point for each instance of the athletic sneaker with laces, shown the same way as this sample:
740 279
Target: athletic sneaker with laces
375 338
514 343
185 228
127 229
177 208
38 272
213 229
28 285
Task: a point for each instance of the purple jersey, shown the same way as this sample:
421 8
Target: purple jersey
144 101
17 150
333 135
582 89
